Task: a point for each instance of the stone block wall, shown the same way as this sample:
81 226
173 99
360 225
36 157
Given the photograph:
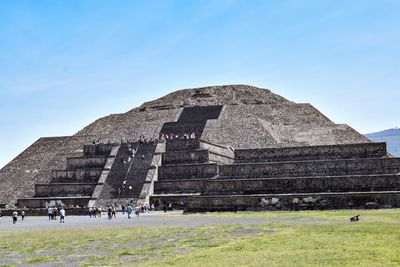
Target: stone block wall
312 168
346 151
63 190
82 175
319 201
87 162
365 183
97 149
192 171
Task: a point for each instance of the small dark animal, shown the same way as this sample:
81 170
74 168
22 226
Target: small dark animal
355 218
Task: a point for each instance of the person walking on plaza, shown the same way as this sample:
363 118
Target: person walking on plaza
22 215
109 213
50 213
15 217
137 210
129 211
114 212
62 215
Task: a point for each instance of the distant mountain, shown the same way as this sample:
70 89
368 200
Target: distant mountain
391 137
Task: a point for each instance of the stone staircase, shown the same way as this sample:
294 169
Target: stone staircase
140 165
75 185
312 177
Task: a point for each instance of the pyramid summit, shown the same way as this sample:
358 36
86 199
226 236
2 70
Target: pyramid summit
251 117
246 143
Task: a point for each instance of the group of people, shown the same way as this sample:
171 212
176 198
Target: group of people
129 210
144 140
95 212
52 212
14 215
131 154
123 188
171 136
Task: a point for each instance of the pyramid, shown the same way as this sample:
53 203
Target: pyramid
245 137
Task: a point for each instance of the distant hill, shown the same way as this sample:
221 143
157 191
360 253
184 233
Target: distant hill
391 137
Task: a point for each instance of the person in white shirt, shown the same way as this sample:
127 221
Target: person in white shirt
50 213
62 215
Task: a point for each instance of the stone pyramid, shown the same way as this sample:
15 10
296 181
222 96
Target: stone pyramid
238 129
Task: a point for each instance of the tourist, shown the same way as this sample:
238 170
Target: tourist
90 212
152 207
133 152
99 211
137 209
109 213
130 189
55 210
62 215
193 136
129 211
165 208
50 213
123 209
114 212
22 215
15 217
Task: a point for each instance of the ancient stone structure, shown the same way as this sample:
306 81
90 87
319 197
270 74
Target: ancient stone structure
253 150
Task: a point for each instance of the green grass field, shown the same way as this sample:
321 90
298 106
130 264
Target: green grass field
330 240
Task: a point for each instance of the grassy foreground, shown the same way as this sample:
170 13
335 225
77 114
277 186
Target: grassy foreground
313 238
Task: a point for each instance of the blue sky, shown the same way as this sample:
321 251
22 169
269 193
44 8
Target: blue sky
64 64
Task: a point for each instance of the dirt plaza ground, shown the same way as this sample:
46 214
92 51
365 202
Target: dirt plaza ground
208 239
